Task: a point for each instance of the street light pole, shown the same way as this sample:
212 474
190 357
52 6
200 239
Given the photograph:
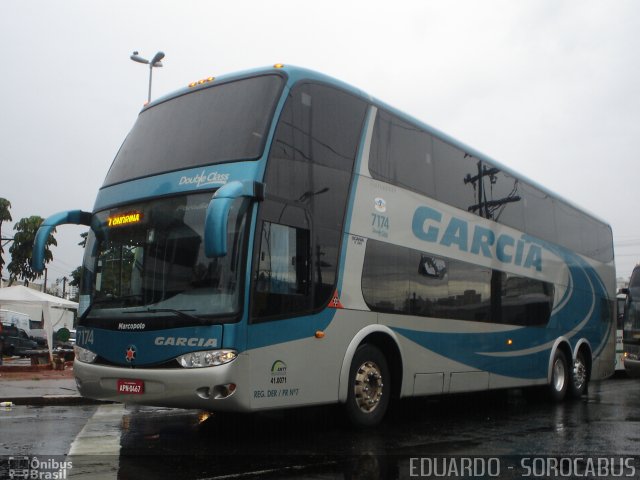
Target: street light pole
155 62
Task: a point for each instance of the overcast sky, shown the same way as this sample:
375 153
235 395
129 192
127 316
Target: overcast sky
550 88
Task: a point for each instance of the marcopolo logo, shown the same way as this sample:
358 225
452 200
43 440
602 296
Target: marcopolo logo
428 225
130 353
204 179
131 326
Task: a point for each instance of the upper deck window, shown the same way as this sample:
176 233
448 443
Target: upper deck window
403 154
223 123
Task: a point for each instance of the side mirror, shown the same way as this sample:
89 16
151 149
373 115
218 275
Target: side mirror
73 217
215 226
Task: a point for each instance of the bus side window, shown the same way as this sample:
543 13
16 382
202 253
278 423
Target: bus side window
525 301
283 276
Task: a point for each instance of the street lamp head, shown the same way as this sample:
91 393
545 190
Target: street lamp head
155 62
156 59
137 58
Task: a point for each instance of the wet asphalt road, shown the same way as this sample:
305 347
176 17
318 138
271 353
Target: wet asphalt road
317 444
33 430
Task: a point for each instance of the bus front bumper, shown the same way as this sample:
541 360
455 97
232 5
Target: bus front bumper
218 388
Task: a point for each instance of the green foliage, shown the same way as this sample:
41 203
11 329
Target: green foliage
22 249
75 277
117 268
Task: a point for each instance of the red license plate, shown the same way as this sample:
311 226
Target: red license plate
130 386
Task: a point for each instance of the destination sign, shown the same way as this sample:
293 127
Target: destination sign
124 219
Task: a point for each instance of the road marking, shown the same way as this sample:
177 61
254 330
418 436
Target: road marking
95 451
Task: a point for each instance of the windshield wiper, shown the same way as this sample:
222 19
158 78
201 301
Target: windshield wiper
179 313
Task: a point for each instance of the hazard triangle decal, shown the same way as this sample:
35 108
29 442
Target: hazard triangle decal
335 301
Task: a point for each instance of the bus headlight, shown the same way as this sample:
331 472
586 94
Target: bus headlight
208 358
84 355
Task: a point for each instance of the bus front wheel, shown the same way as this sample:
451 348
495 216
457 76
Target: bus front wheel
369 387
560 376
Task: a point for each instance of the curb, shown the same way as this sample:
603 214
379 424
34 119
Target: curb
25 368
48 400
9 367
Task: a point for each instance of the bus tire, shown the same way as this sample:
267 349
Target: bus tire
579 376
560 376
369 387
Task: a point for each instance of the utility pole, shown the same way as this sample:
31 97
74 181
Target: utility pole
485 209
4 241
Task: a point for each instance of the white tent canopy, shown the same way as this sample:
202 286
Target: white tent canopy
56 312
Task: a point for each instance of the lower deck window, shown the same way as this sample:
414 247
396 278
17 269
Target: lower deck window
401 280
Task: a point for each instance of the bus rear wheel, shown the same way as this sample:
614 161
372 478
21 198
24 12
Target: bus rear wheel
369 387
579 376
560 376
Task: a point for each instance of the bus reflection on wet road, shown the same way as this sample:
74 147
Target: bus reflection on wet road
318 443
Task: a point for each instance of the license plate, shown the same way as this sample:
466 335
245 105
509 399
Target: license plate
130 386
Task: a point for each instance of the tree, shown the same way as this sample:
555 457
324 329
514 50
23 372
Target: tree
5 216
75 282
75 277
22 249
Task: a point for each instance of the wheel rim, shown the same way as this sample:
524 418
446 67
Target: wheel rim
579 373
558 375
368 386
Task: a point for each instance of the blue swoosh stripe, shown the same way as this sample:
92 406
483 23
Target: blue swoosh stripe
527 355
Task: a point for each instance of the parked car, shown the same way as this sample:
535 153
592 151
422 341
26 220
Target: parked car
39 336
1 343
16 341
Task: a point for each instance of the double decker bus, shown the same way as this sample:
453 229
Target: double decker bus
621 300
631 320
277 238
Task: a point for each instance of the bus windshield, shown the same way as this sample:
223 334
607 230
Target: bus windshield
147 260
222 123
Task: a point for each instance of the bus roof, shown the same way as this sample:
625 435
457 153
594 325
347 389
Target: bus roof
295 74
